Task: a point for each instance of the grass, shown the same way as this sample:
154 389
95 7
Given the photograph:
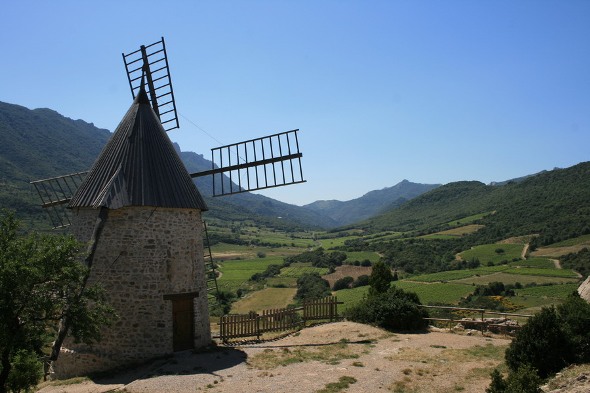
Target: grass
469 219
330 354
446 293
488 253
561 273
296 270
236 273
544 263
585 239
450 275
511 278
454 232
428 293
267 298
551 291
362 255
343 383
336 241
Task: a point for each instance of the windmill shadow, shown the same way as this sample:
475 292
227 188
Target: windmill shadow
181 363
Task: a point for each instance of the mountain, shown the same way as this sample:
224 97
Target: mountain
41 143
36 144
370 204
554 204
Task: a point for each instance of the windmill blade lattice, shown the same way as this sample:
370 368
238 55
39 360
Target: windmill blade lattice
256 164
55 193
151 61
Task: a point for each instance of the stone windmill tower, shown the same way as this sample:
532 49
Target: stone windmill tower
140 210
149 250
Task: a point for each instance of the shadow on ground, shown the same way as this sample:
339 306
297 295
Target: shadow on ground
181 363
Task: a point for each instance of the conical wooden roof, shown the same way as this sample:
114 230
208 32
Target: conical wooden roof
138 167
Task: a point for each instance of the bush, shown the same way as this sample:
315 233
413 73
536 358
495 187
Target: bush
222 304
575 314
343 283
361 281
393 310
26 371
524 380
553 338
542 344
312 286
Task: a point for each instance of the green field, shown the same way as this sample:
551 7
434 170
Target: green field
335 242
585 239
264 299
543 263
235 273
445 293
509 278
488 253
469 219
296 270
550 291
450 275
531 271
362 255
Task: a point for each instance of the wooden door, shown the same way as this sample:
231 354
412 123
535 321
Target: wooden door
183 324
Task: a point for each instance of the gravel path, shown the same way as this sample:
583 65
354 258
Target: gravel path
368 358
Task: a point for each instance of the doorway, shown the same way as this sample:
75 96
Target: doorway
182 323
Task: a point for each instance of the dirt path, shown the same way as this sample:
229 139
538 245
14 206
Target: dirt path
369 360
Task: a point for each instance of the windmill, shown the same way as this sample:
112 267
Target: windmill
140 212
251 165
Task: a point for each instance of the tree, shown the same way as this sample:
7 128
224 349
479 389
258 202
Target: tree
343 283
42 284
542 344
312 286
380 279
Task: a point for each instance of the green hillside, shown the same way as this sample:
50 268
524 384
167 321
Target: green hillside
36 144
553 204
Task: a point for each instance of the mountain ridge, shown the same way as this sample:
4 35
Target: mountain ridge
41 143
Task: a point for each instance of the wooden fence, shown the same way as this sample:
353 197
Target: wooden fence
274 320
499 325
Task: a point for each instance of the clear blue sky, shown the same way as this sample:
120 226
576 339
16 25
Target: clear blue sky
429 91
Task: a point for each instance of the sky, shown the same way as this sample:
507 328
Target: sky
429 91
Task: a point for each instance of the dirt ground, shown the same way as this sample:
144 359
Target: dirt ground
347 270
345 355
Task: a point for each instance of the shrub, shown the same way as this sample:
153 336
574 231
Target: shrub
524 380
361 281
542 344
394 310
343 283
575 314
26 371
312 286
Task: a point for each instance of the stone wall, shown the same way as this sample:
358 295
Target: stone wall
142 255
